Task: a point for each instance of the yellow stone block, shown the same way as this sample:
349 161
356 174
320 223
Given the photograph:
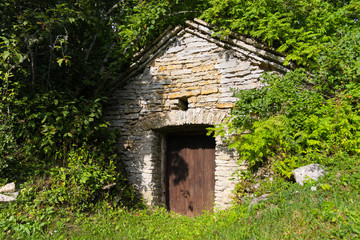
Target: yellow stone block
203 68
225 105
209 91
207 83
162 68
175 95
191 88
174 66
184 94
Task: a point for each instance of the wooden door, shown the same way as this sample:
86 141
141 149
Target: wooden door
190 170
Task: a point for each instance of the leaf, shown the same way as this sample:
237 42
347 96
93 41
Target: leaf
43 120
325 186
6 55
18 57
59 61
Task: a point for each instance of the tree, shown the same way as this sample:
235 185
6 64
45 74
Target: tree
300 28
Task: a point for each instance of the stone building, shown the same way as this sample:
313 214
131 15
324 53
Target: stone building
175 89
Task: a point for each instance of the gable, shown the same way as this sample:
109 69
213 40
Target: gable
245 48
189 66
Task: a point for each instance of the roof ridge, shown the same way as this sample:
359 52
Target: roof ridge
240 41
138 54
243 38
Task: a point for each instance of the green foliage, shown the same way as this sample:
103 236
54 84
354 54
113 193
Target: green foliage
301 117
307 115
9 150
38 139
58 61
87 181
16 224
299 28
79 182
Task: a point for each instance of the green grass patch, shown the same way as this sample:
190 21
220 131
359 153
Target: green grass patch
297 213
294 213
291 212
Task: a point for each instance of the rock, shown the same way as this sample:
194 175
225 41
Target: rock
6 198
312 171
10 187
258 199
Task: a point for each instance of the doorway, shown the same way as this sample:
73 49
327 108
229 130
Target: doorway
190 168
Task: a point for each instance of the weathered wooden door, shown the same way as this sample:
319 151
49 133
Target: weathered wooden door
190 170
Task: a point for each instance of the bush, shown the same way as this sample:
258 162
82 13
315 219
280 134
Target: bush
86 178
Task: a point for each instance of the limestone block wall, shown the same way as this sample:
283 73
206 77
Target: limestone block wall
189 82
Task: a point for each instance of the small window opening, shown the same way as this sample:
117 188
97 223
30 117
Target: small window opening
183 104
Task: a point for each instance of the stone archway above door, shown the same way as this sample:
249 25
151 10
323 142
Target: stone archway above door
179 118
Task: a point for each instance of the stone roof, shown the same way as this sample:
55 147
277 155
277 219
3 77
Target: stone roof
246 47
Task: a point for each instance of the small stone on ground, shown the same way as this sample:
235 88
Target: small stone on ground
312 171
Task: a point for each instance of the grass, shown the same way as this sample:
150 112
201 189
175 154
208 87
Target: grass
294 213
291 212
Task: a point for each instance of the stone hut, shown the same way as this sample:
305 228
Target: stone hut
175 89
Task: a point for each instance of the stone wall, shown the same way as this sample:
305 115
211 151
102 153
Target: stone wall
187 82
